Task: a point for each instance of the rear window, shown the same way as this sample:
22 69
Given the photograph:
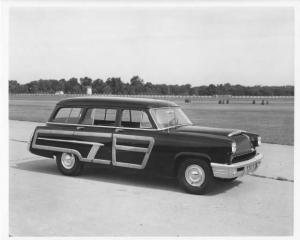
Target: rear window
68 115
100 116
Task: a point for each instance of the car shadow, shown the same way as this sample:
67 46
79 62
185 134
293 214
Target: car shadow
97 172
218 187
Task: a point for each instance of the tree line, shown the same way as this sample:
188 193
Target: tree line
137 86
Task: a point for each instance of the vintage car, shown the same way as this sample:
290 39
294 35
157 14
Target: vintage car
148 135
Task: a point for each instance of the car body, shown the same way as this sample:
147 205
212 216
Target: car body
147 135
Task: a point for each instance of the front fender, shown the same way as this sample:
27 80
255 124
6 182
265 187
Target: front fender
179 157
192 154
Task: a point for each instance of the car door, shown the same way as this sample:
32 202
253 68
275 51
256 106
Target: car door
95 132
133 140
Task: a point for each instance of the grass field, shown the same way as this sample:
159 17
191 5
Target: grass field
274 122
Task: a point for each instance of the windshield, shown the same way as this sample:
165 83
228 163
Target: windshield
169 117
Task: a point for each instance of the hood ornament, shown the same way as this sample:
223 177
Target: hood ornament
236 132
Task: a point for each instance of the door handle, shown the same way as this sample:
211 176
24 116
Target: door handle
118 130
79 128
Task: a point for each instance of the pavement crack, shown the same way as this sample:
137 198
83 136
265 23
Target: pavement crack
17 140
273 178
22 159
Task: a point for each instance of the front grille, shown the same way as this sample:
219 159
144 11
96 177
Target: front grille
243 157
243 144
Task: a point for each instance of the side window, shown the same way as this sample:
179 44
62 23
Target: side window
125 117
100 116
68 115
110 115
135 119
74 116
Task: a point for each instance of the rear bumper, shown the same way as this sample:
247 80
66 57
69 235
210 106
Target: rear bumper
236 169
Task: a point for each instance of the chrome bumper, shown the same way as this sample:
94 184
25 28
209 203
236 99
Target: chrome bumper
236 169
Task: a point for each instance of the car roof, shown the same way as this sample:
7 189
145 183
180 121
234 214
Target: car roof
120 102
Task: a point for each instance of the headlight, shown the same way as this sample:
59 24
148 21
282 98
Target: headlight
233 147
258 141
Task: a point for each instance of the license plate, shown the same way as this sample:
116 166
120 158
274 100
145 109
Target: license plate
252 167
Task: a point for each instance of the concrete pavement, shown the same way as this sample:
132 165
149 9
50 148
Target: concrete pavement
103 202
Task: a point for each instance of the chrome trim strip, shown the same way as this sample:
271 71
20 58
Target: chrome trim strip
231 171
132 137
86 160
98 161
69 132
102 161
165 107
102 126
131 148
129 165
95 147
257 157
116 147
116 127
90 158
92 134
93 151
70 141
55 149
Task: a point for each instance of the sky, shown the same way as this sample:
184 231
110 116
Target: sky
172 45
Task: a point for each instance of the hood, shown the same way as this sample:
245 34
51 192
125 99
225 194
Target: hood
209 130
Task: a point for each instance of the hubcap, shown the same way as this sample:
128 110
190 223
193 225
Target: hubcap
67 160
195 175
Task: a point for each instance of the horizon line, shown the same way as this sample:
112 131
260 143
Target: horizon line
216 84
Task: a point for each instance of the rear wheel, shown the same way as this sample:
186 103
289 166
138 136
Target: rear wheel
194 175
69 164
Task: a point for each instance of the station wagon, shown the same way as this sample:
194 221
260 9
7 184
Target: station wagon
147 135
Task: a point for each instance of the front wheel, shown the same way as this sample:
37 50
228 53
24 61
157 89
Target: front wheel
194 176
69 164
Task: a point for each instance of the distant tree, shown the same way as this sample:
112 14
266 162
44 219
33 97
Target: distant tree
136 85
212 89
174 89
61 85
127 88
202 90
116 85
107 90
13 86
163 89
98 86
33 87
149 88
86 81
72 86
